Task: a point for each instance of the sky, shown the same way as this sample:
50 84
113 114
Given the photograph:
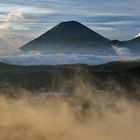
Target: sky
24 20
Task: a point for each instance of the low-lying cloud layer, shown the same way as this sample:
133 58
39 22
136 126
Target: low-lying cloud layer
15 56
54 59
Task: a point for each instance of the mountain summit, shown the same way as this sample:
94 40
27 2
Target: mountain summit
70 37
73 31
138 35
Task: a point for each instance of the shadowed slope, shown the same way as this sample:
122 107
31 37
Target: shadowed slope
70 37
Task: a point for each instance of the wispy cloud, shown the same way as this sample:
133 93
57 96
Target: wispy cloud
9 18
5 26
102 28
115 23
14 15
9 25
104 15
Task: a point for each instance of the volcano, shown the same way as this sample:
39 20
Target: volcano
70 37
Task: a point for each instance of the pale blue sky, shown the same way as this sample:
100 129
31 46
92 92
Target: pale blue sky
115 19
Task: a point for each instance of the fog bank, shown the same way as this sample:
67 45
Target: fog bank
88 114
36 58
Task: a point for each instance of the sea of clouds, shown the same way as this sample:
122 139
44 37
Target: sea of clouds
15 56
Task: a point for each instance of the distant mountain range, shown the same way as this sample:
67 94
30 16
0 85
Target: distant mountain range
74 37
133 45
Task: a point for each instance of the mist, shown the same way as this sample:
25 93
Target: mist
86 114
15 56
122 51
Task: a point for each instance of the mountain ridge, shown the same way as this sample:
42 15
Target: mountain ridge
74 37
70 37
52 78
